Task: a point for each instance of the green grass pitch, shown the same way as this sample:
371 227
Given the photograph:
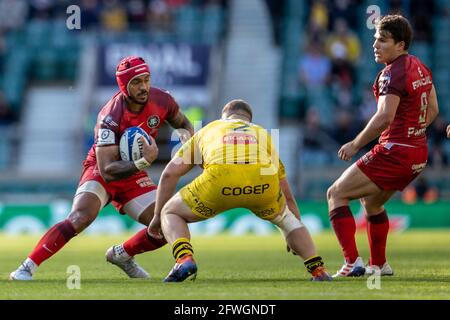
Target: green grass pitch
248 267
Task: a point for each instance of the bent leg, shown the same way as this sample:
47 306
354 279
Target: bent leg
141 241
299 240
141 209
377 225
296 234
84 210
352 184
175 216
374 203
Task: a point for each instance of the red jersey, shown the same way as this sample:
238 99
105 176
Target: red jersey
115 117
408 78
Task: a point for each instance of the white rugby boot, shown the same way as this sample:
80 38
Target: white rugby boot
355 269
24 272
385 270
117 255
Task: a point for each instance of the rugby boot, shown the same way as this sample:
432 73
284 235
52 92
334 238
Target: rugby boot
185 267
385 270
320 274
22 273
117 256
355 269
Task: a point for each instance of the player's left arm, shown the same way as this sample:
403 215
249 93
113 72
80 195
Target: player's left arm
433 107
172 173
290 199
386 110
183 125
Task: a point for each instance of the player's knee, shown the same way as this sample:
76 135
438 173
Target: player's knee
331 192
370 208
146 216
81 219
166 212
287 222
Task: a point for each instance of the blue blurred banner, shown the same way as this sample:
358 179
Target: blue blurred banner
171 64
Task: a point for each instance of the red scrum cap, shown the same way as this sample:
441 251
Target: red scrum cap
128 69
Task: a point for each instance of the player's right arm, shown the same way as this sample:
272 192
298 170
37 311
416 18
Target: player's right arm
386 110
112 168
448 131
433 108
172 173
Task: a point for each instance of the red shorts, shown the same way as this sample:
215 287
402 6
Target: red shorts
122 191
392 166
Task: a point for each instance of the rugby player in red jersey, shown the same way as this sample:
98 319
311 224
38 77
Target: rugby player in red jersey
406 105
106 178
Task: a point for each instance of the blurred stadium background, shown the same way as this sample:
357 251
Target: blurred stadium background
306 67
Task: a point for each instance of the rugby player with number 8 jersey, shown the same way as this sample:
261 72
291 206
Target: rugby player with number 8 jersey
108 179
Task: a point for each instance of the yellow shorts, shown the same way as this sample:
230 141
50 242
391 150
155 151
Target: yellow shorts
223 187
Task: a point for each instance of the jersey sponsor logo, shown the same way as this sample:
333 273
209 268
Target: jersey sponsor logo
416 132
202 209
153 121
417 168
239 138
265 212
383 82
108 120
237 191
144 182
367 157
421 82
106 136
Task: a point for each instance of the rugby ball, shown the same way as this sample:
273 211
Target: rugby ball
130 145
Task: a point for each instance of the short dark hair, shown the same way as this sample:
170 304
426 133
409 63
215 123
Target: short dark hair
237 106
398 26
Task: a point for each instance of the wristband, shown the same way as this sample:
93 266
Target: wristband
141 164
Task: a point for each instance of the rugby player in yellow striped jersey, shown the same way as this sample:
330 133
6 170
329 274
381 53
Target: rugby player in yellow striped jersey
241 170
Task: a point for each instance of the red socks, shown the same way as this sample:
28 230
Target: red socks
345 227
141 242
55 238
377 231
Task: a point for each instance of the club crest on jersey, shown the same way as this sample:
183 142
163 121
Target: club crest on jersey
153 121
